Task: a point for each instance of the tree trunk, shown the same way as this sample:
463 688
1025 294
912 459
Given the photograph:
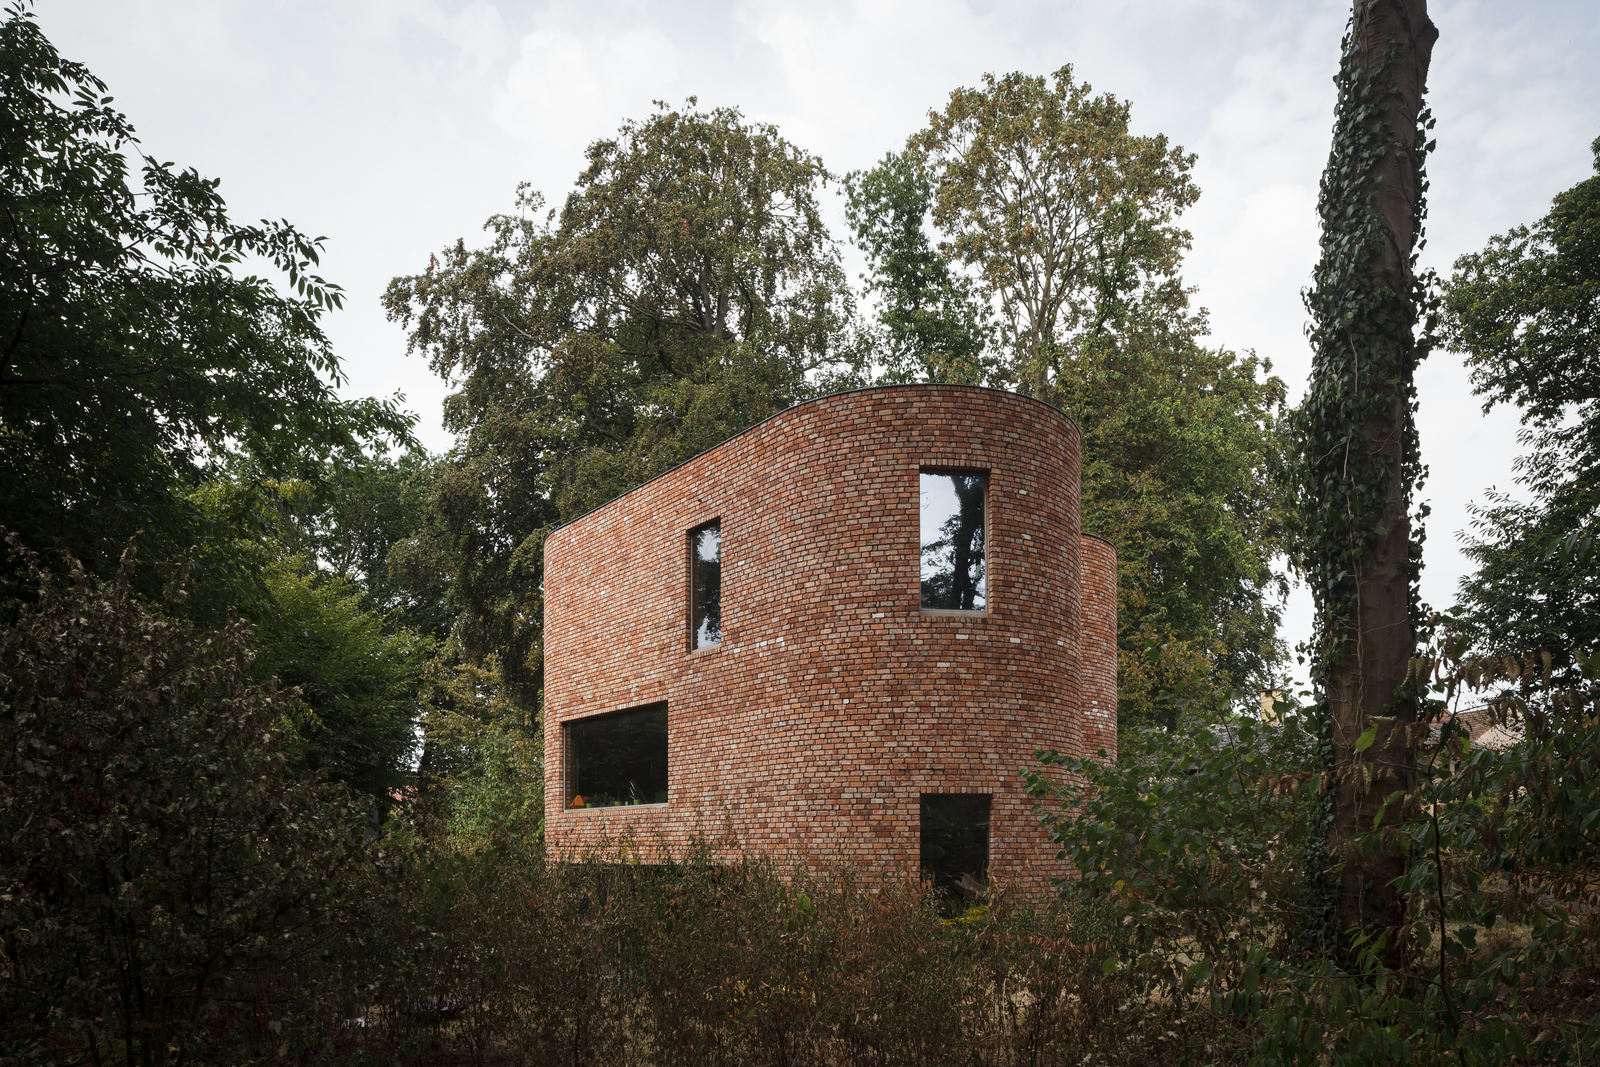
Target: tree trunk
1367 678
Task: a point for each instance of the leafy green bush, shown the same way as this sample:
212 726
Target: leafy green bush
1196 839
166 891
1198 851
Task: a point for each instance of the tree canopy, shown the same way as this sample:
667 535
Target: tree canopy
935 326
137 356
1526 312
1027 205
1066 215
687 288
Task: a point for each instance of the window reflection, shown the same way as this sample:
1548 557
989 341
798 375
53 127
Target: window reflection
705 584
953 540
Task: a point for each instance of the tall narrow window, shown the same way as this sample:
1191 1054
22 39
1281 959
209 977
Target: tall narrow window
705 585
619 758
953 540
955 842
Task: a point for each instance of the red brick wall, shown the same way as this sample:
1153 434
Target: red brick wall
834 701
1098 669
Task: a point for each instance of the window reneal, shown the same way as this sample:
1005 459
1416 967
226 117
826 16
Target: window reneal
705 585
617 758
954 535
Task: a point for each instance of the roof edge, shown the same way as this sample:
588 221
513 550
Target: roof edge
1103 540
1071 421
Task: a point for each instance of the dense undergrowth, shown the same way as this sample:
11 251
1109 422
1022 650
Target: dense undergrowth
181 897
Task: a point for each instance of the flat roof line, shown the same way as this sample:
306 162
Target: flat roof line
817 400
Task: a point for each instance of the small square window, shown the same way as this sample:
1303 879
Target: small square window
955 842
705 585
619 758
954 536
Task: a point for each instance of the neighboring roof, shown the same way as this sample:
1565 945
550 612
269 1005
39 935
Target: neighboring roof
1484 729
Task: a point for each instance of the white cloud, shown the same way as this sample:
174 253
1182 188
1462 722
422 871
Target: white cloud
563 90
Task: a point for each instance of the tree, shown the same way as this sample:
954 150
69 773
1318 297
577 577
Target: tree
1066 216
1182 454
1526 311
135 356
1066 222
688 290
935 327
1358 449
167 891
305 566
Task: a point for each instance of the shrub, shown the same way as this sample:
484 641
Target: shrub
166 892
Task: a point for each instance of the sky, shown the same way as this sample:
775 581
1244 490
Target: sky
395 127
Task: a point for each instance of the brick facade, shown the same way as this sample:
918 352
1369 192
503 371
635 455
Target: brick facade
834 700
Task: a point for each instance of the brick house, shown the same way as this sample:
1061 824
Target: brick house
838 637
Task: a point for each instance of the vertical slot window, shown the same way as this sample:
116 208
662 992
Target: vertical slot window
619 758
955 843
705 585
954 538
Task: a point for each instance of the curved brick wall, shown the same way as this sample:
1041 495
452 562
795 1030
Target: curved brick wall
1098 624
834 700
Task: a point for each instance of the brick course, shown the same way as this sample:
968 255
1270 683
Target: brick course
834 701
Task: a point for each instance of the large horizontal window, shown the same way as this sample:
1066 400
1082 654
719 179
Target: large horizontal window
620 758
705 585
953 540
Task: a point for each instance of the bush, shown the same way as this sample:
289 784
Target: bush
166 891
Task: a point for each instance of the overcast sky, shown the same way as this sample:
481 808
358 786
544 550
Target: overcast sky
394 127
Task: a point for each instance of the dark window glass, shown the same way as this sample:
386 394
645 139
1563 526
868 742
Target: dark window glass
619 758
955 842
953 540
705 585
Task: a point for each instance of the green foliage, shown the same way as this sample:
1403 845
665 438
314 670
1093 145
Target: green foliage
167 891
1068 223
481 774
688 290
699 962
1181 449
1194 850
935 328
1195 833
1526 312
357 673
1357 463
1065 215
135 357
1364 312
357 679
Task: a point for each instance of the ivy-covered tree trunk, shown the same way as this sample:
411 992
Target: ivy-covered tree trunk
1360 448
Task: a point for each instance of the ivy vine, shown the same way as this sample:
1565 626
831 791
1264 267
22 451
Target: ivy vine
1365 352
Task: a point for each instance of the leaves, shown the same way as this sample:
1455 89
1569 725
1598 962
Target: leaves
687 289
158 867
1526 312
1066 217
136 354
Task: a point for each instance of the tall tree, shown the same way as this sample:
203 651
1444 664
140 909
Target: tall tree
688 289
1064 222
1359 450
136 354
1181 458
1526 311
934 325
1066 216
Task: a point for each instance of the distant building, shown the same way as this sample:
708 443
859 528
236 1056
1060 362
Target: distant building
838 637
